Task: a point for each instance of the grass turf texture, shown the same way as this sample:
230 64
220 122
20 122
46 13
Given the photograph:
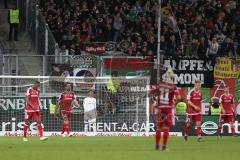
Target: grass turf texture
118 148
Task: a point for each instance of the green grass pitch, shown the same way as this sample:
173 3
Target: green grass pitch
118 148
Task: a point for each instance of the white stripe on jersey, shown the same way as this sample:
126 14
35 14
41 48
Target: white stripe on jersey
189 94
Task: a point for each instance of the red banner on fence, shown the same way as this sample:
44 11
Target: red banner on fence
96 48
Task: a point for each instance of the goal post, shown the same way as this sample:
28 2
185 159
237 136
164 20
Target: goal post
122 105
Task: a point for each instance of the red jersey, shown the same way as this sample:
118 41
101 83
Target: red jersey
33 95
195 97
66 100
227 101
166 92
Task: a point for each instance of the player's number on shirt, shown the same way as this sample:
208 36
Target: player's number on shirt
164 97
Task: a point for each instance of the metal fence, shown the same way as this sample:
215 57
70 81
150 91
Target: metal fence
42 37
1 61
43 65
30 64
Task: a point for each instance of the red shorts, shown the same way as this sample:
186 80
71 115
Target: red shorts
226 118
165 117
35 115
194 118
66 114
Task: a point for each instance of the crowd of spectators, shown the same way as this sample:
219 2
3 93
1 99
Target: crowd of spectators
192 28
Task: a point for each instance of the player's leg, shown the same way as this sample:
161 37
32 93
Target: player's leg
94 120
27 117
158 131
64 123
219 130
166 127
68 124
165 137
86 125
198 120
92 123
231 120
187 127
199 130
65 126
86 121
158 136
37 118
232 128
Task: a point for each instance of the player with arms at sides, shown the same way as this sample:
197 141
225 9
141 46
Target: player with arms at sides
90 112
166 92
66 101
194 99
226 102
32 110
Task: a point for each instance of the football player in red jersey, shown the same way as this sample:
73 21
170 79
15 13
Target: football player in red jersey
165 91
194 98
226 102
32 110
66 101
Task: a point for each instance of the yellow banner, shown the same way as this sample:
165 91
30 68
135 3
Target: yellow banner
226 67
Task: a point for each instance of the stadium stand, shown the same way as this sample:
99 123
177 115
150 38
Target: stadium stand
29 62
189 28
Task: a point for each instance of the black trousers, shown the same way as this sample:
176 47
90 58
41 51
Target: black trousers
13 29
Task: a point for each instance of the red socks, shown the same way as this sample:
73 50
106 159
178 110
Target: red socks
186 129
65 127
158 136
233 130
219 128
40 130
165 136
25 130
199 131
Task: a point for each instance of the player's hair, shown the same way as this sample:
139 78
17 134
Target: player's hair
37 82
169 72
198 81
67 83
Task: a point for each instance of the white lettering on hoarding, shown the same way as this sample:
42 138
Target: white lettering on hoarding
123 127
14 126
19 103
210 127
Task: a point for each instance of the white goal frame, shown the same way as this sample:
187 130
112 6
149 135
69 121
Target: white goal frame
9 86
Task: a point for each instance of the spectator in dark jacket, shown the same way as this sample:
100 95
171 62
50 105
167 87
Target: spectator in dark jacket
202 48
226 48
